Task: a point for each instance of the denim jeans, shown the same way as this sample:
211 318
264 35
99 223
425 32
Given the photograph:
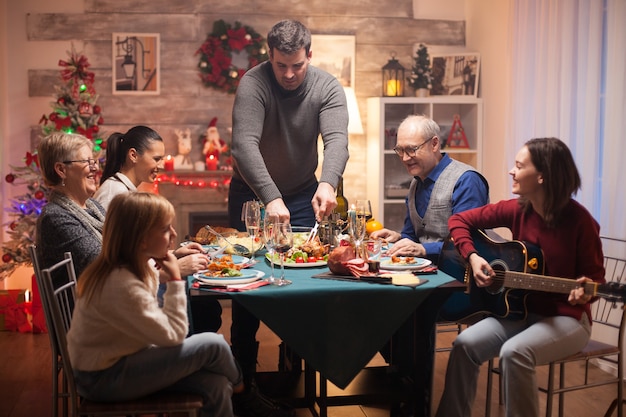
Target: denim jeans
299 204
521 345
202 364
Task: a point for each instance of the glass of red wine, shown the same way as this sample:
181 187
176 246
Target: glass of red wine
283 241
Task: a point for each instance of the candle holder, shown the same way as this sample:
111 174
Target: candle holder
393 78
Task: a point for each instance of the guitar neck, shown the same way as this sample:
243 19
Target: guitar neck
545 283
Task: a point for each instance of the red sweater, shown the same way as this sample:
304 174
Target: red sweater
571 249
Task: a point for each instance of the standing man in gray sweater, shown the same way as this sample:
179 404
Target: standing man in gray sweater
281 108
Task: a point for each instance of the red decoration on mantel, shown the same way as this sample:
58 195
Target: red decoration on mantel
457 138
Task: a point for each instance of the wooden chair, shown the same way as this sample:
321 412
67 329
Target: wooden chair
58 303
606 315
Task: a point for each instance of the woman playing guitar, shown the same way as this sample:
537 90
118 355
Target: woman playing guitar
555 325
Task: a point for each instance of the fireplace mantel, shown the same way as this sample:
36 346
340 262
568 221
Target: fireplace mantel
196 194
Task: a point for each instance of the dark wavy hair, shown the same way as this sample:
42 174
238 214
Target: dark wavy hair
118 145
289 36
561 179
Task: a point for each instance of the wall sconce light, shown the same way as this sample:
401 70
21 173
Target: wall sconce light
129 47
393 78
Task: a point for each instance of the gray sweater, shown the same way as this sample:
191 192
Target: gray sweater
60 231
275 132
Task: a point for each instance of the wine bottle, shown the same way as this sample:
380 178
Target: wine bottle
342 202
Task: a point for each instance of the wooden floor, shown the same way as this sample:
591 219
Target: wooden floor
25 375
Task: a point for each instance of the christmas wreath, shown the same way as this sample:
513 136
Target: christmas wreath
216 66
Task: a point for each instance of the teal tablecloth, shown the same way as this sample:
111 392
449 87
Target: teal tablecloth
335 326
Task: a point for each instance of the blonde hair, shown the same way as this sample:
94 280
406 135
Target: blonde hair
130 218
58 147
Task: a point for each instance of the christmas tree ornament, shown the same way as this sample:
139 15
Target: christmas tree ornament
9 178
85 109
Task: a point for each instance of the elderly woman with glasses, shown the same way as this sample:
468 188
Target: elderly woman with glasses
71 221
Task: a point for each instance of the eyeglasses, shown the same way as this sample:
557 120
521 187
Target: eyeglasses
410 151
92 162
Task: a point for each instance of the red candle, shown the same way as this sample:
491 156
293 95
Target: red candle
168 164
211 163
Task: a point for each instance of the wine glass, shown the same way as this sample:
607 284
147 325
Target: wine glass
268 234
356 223
365 208
252 217
283 241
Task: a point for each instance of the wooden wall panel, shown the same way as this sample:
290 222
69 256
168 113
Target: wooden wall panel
380 27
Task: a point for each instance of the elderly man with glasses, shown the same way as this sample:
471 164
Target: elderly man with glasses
441 187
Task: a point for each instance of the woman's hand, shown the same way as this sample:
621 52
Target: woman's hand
168 267
188 249
578 295
483 273
193 263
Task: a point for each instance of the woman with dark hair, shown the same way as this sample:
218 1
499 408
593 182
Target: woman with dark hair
132 158
135 157
556 325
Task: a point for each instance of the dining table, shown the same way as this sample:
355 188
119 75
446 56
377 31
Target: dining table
337 324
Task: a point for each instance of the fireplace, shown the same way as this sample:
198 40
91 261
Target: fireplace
199 198
198 220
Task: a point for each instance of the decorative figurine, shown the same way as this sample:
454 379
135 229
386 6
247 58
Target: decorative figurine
182 160
213 146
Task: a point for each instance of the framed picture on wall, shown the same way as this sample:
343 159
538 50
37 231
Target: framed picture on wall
455 74
335 54
136 63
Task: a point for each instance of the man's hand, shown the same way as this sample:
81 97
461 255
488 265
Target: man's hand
406 247
324 201
279 209
389 235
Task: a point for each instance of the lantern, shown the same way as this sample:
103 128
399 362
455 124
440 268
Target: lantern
393 78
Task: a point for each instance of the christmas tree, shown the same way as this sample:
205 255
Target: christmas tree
74 111
421 73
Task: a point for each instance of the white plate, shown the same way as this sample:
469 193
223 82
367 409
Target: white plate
296 265
247 276
419 263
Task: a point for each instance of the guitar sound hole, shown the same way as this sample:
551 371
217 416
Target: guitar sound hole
498 282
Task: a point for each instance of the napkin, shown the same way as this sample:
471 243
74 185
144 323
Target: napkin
232 287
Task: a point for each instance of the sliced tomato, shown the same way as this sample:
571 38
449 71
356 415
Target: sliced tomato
312 259
299 260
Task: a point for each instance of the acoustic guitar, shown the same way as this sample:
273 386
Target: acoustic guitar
519 268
